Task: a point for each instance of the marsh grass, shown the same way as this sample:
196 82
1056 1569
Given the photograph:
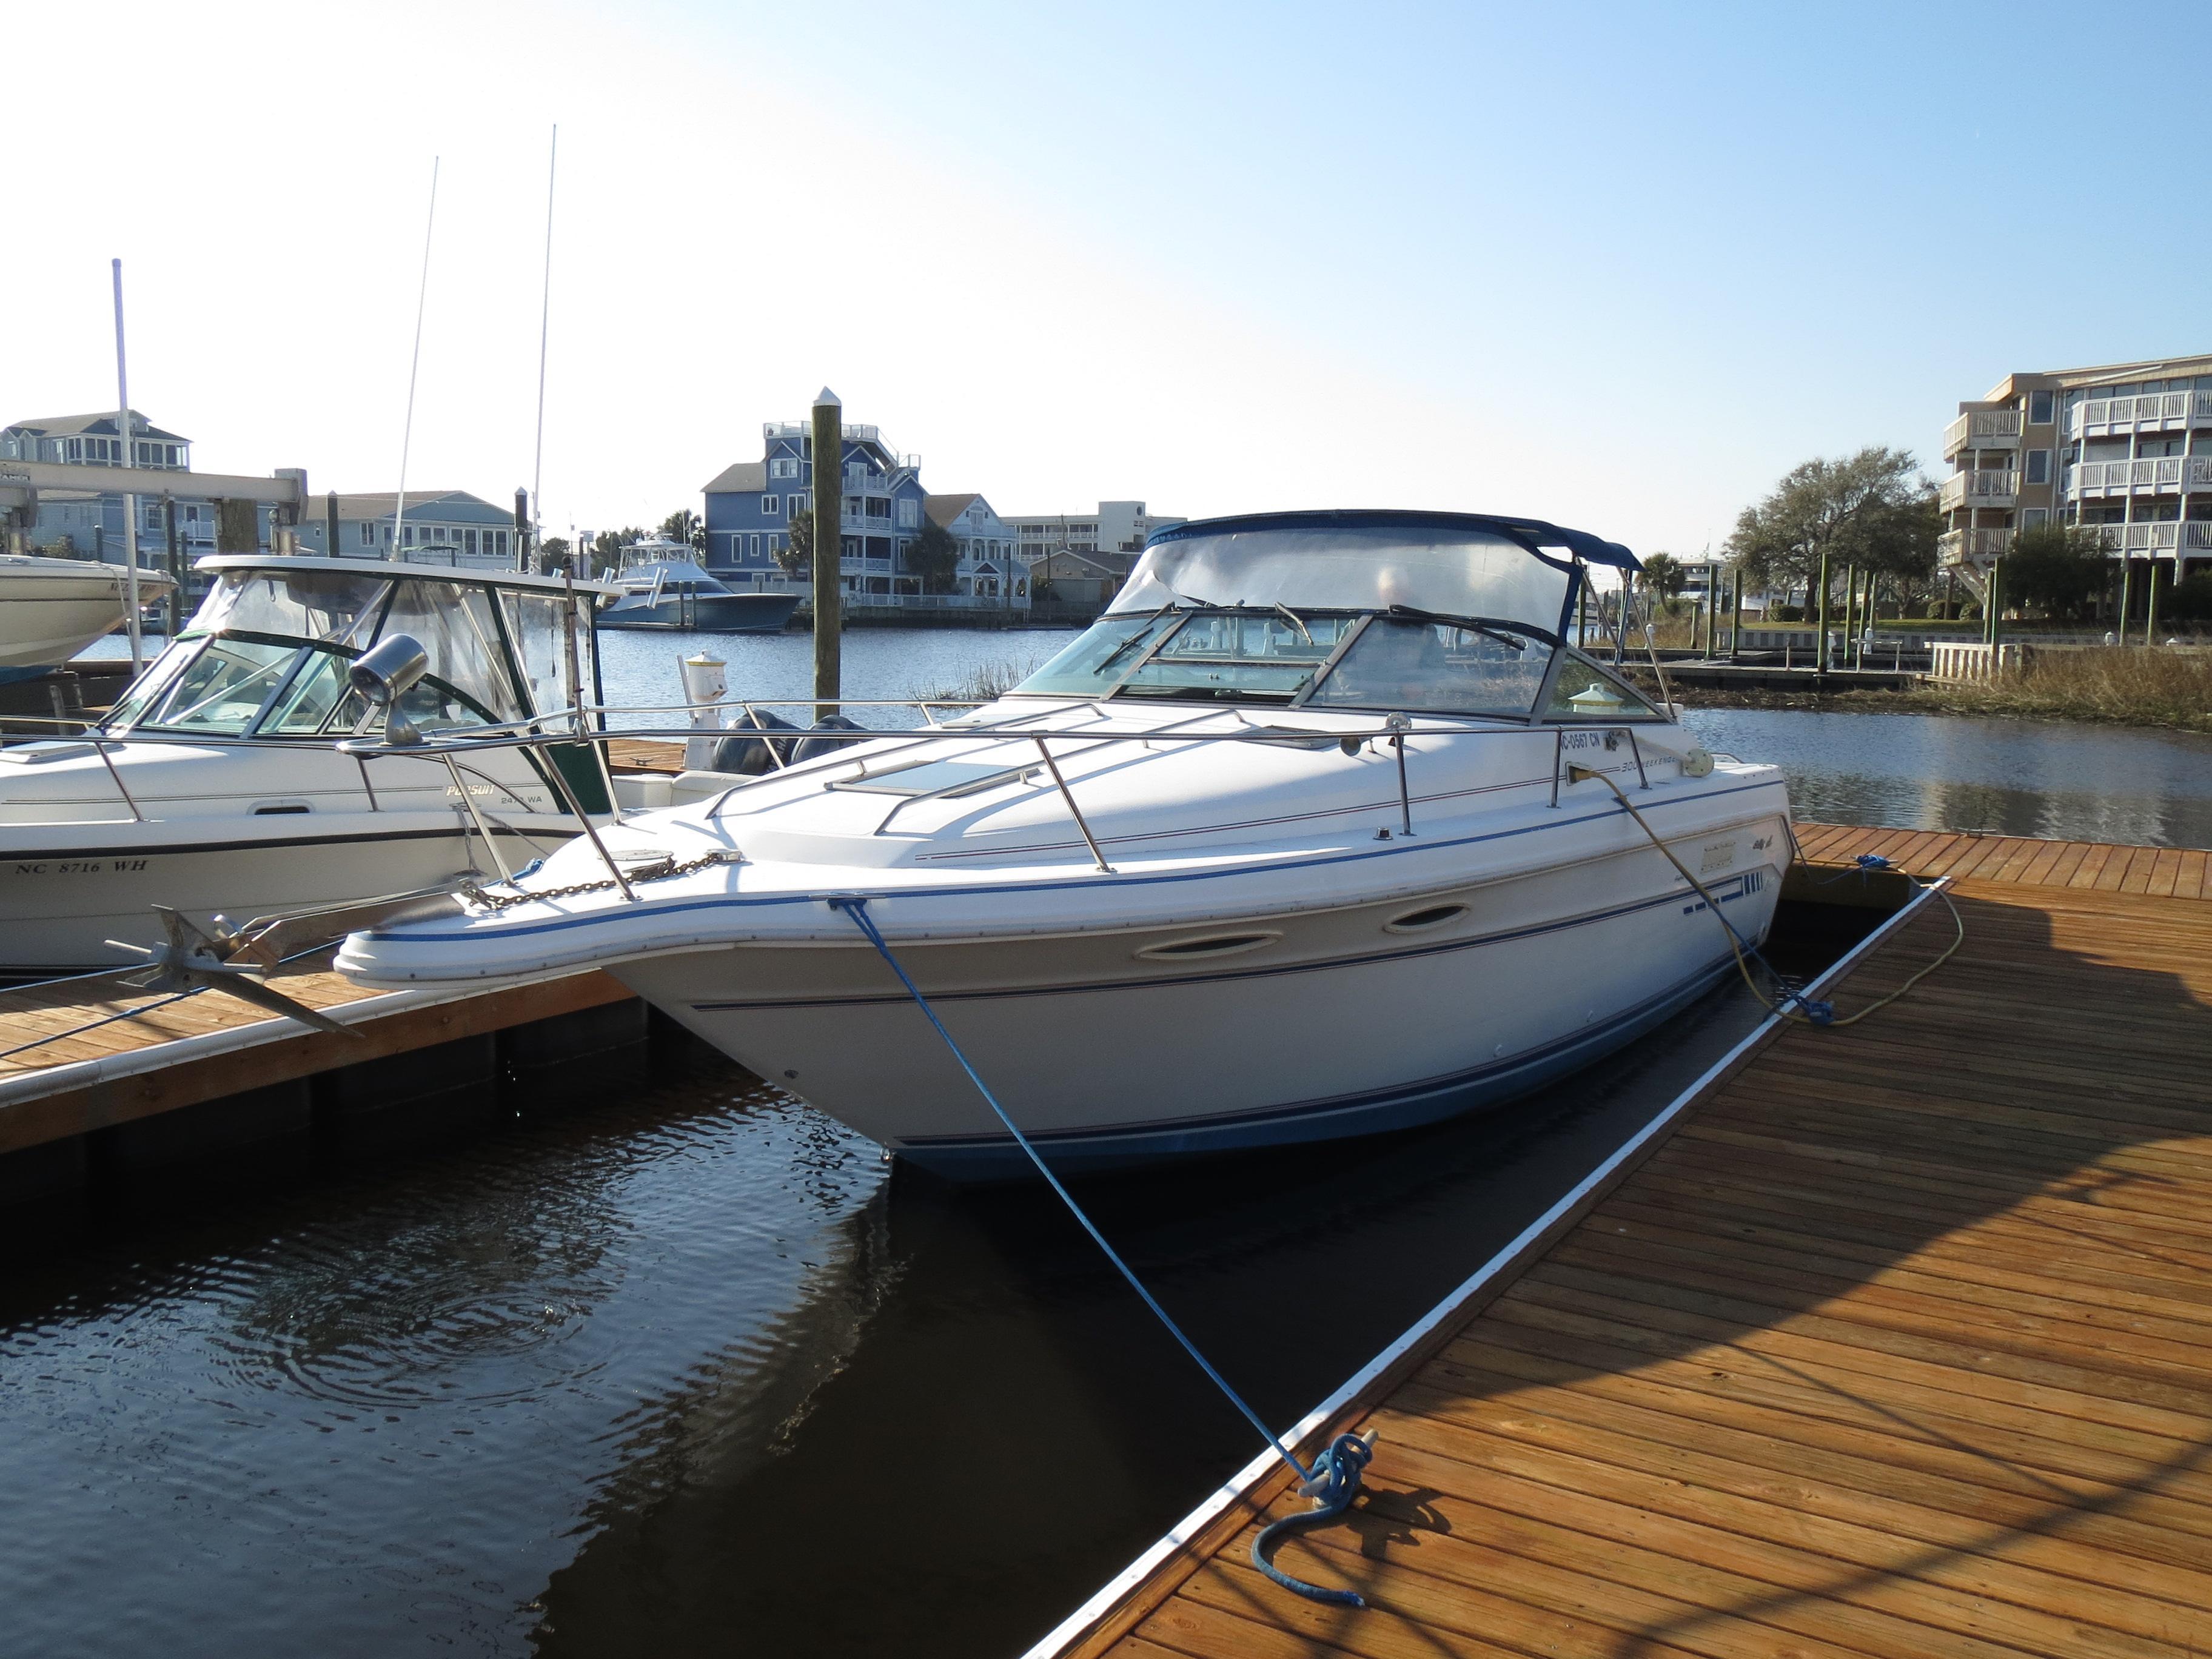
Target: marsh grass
2135 685
983 681
2115 685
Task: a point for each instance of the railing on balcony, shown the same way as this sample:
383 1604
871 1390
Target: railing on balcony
1978 488
1954 546
1983 429
2149 540
2152 476
2159 411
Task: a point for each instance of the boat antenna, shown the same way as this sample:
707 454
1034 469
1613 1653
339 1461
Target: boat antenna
545 323
126 457
414 364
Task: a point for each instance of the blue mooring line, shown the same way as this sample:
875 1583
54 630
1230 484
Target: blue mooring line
1333 1481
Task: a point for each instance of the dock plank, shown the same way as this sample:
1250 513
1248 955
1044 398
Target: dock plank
1899 1345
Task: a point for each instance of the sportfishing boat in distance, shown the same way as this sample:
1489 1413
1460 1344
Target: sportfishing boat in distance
663 587
51 609
1314 834
216 783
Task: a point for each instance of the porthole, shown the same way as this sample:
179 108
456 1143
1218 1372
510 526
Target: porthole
1428 916
1204 949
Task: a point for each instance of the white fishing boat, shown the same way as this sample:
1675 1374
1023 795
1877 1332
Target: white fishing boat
51 609
1314 834
664 586
216 783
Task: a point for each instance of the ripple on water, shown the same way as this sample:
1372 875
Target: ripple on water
423 1303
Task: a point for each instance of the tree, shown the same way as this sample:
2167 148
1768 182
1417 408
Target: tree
553 553
2058 568
796 556
607 549
686 526
1666 575
1854 510
935 556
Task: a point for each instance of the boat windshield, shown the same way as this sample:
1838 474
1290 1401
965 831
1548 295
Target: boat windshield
1397 659
1384 612
268 654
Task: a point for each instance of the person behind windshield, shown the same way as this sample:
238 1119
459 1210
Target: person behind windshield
1398 663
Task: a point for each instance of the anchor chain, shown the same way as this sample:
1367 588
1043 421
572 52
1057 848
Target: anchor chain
667 869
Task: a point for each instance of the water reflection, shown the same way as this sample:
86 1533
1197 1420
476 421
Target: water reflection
382 1409
2066 782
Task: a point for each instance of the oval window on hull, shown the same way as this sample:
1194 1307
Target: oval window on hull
1428 916
1204 949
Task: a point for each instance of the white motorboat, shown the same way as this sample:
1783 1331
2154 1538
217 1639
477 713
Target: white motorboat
51 609
663 587
216 783
1314 834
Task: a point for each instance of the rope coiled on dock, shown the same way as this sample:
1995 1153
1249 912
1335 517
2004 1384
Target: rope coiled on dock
1334 1483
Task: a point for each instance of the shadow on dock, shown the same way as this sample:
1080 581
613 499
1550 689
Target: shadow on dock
1897 1346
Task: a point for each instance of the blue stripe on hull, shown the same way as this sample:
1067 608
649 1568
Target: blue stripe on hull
1097 1152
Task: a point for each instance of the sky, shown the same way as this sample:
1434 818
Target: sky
1615 265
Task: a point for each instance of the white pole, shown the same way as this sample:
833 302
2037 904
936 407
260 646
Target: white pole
544 324
130 499
407 432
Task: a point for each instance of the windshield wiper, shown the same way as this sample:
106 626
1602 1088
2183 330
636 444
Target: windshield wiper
1467 624
1136 637
1292 616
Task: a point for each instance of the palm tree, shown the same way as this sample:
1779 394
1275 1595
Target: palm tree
1666 576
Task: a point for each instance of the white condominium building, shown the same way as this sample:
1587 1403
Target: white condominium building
2125 447
1115 527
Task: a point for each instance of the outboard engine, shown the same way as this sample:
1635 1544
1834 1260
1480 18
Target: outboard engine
750 756
809 748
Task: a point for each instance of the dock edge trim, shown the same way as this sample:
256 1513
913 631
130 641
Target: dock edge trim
1539 1235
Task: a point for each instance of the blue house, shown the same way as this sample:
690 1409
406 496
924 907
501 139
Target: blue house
883 508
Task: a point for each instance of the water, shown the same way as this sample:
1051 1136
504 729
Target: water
690 1370
2018 777
638 667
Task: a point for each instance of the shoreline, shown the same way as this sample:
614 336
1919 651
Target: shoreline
2016 703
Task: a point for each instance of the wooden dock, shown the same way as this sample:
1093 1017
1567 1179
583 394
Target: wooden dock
1893 1340
153 1053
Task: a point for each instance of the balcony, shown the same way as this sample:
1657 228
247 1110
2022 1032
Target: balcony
2159 475
1961 546
2119 417
1978 489
1983 429
2147 541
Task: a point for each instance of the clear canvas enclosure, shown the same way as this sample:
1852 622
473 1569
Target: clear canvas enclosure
1447 570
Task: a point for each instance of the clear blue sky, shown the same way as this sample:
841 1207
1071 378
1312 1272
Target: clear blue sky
1619 266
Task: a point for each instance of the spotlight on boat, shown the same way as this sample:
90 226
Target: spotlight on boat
386 673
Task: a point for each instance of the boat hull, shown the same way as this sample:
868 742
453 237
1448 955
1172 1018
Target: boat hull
49 611
66 896
706 613
1341 1023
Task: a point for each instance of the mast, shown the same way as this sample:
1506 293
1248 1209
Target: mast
544 326
407 432
130 499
